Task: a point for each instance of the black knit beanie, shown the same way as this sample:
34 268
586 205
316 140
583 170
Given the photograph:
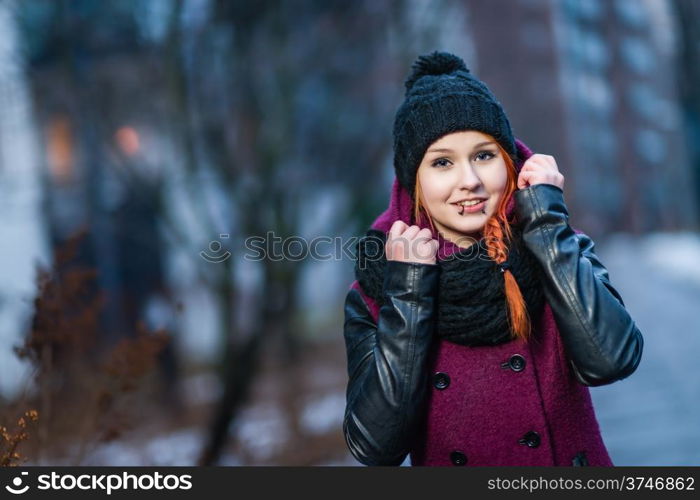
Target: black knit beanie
442 97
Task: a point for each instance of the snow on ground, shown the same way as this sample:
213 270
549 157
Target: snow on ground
178 448
261 428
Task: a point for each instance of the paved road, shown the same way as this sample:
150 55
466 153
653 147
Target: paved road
653 417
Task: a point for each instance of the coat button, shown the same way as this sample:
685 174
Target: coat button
531 439
517 363
458 458
441 380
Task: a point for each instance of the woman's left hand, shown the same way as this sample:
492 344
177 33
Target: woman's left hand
540 169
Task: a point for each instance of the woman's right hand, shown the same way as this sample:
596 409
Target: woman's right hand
410 244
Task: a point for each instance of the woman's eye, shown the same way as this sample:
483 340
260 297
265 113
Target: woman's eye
484 155
442 162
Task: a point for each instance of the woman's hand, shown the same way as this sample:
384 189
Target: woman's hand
540 169
410 244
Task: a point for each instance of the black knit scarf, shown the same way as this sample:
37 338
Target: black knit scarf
472 307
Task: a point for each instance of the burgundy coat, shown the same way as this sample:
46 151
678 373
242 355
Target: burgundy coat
488 409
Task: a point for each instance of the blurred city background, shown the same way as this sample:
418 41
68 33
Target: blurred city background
142 142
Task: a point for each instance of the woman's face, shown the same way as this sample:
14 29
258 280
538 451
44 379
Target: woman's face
462 166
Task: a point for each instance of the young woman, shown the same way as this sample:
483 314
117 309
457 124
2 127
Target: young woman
479 317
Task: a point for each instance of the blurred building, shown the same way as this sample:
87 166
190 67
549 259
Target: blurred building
592 82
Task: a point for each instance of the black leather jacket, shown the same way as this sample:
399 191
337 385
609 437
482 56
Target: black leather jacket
387 362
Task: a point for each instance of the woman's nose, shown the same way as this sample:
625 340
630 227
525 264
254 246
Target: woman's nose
468 180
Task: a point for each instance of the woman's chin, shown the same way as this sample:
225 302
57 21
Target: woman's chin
469 232
470 227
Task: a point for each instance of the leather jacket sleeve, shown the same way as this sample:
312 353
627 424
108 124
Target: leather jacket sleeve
599 336
387 363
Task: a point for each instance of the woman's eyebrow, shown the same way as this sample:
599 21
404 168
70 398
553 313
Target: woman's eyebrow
448 150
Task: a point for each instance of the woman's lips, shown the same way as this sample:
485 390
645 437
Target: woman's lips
471 209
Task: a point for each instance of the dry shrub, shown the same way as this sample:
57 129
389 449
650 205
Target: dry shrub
87 390
9 441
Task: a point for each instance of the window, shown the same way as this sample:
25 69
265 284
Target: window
637 54
631 13
650 145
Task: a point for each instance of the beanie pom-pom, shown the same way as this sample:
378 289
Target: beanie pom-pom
437 63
